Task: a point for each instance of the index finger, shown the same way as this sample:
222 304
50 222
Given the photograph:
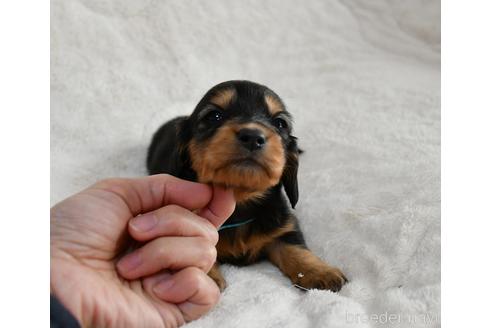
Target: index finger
220 208
149 193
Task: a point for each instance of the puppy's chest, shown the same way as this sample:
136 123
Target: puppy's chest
246 244
239 246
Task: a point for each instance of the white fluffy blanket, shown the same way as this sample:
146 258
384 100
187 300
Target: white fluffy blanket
362 79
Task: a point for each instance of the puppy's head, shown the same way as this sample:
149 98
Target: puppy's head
239 136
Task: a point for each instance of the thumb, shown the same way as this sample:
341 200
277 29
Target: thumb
220 207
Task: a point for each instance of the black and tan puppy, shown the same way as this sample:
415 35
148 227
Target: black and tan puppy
239 136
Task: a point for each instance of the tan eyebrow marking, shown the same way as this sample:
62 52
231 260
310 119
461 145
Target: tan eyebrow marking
274 106
223 98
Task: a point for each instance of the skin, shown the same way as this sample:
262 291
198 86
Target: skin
164 282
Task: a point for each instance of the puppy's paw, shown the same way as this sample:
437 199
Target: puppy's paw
216 276
322 277
304 268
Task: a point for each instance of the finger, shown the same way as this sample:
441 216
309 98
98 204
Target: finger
171 220
220 207
170 314
146 194
191 289
172 253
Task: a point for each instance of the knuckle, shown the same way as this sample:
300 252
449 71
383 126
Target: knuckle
207 230
201 282
193 277
208 253
161 252
212 235
211 291
198 280
162 178
215 294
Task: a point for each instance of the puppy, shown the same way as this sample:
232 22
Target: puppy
239 136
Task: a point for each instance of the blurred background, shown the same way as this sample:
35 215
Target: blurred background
362 80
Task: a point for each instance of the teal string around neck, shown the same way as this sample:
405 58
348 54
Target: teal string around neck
234 225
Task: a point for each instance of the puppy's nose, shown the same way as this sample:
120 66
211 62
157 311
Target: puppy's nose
251 139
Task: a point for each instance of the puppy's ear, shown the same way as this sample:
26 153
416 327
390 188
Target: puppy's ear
168 151
182 156
289 176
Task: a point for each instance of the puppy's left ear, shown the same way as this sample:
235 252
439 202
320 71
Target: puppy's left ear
289 176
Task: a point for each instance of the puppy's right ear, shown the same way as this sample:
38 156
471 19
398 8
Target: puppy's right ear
168 152
182 159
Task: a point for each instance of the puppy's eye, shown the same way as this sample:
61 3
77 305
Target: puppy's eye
214 116
280 123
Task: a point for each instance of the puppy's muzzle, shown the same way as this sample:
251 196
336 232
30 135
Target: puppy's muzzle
251 139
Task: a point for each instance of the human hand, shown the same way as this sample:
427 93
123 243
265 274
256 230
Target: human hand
164 283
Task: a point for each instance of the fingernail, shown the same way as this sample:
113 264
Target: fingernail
144 222
163 286
130 262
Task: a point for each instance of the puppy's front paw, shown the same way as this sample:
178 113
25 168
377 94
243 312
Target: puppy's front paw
304 268
322 276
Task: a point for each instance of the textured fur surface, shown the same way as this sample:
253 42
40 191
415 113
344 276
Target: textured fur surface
361 79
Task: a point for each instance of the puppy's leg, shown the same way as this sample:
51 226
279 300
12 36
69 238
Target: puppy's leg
303 267
216 275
